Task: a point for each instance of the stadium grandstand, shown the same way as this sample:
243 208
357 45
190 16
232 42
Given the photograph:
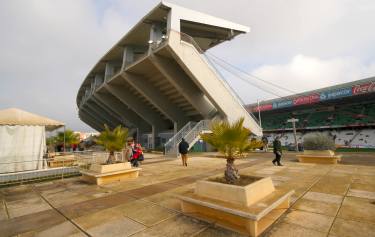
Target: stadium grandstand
345 111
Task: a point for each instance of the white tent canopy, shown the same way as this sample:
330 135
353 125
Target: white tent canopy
23 139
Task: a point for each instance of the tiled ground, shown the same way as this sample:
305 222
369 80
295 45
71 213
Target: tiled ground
329 200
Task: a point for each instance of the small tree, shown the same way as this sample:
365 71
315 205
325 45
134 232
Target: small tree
232 140
71 138
112 141
318 141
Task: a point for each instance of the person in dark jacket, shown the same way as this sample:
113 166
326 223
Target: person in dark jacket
183 149
277 151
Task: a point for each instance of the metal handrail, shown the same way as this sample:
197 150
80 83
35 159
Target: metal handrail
171 144
197 130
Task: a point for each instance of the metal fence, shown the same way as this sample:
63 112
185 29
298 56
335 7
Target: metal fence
65 165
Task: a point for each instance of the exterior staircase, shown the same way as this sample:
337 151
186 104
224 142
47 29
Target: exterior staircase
190 132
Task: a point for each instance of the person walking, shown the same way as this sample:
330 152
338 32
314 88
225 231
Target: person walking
183 149
277 151
265 143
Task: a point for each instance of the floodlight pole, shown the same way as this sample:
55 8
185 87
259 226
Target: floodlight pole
293 121
260 119
64 138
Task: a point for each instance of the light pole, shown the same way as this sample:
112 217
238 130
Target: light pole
260 119
293 121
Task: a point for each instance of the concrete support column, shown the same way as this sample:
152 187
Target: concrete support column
98 79
175 128
109 71
128 56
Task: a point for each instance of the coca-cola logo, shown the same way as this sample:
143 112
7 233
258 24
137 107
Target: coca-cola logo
364 88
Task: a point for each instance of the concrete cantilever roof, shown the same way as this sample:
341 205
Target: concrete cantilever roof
140 32
157 79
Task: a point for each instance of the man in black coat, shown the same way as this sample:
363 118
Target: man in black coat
183 149
277 151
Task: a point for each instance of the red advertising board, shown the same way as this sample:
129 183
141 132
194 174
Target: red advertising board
309 99
363 88
262 107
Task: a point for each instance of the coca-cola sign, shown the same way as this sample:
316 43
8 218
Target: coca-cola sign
363 88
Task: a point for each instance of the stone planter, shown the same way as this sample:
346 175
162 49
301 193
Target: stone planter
63 161
102 174
320 157
248 209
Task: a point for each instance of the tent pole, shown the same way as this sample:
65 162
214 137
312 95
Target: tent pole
64 138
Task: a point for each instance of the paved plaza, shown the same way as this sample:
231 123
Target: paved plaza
329 200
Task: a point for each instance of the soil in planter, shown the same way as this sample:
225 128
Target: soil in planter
242 181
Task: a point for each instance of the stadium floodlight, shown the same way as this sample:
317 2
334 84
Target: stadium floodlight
293 121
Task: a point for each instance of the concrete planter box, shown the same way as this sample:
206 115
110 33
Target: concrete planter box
241 195
246 209
103 174
320 157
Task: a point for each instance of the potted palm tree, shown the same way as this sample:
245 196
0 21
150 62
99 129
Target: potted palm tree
112 141
112 170
232 140
233 200
318 148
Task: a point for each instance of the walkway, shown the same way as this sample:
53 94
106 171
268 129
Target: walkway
329 200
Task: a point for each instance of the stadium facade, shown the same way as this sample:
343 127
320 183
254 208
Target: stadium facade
345 111
158 82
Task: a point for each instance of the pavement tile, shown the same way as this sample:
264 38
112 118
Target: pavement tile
218 232
94 205
65 198
316 207
26 206
361 194
65 229
145 212
323 197
309 220
177 226
30 222
365 187
331 188
359 209
284 229
363 179
108 222
348 228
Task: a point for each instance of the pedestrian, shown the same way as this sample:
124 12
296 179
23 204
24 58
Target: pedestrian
128 151
183 149
137 155
265 143
277 150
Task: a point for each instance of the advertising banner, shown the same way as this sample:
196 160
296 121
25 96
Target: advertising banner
335 94
363 88
262 107
282 104
309 99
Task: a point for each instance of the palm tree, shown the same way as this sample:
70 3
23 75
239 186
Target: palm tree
232 140
112 141
71 138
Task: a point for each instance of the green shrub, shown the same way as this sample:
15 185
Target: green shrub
318 141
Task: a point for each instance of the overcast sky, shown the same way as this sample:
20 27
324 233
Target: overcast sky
48 46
